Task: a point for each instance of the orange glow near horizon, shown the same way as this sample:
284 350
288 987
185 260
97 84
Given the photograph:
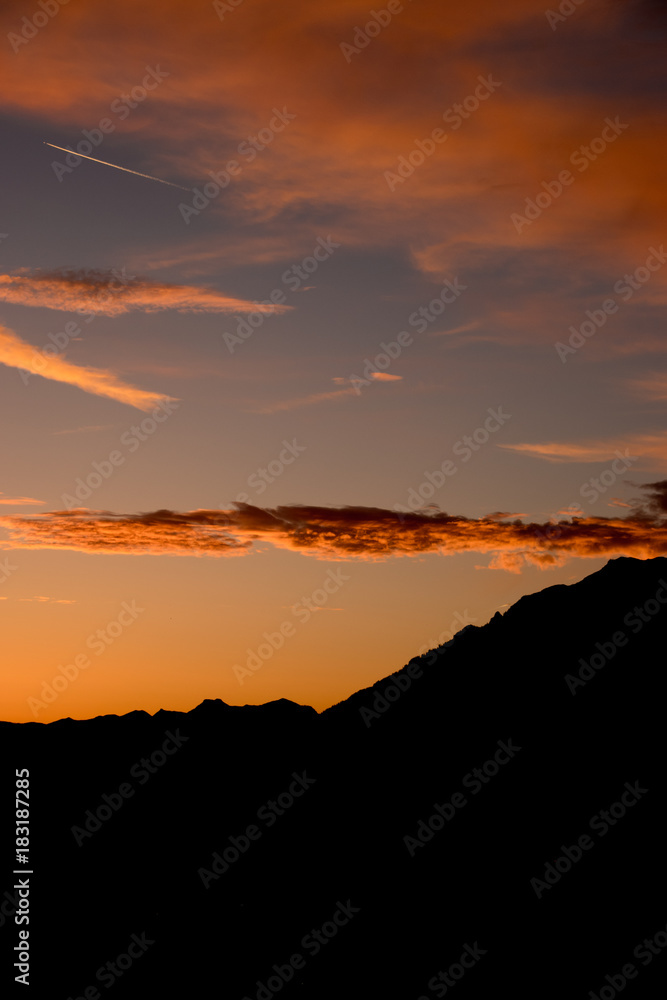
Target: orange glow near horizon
296 361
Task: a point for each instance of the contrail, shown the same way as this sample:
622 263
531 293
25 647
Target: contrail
126 169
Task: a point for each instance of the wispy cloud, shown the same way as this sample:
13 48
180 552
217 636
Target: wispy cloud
18 501
368 533
316 397
16 353
85 430
45 600
352 389
109 293
376 376
650 447
652 386
523 136
457 329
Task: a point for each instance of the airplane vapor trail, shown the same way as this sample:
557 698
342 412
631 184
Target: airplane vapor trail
115 165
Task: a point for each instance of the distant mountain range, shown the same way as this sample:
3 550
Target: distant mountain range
491 819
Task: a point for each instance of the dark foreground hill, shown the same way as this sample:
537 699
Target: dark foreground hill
490 820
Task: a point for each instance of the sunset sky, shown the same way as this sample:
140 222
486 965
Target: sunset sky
423 294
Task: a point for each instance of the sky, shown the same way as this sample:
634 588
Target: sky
361 344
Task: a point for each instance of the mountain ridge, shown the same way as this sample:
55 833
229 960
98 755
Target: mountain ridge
433 801
609 571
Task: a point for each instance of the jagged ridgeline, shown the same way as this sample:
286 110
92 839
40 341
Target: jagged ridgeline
492 812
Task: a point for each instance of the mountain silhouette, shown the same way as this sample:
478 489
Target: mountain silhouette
490 817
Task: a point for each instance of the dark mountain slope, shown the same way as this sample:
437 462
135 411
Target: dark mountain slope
354 790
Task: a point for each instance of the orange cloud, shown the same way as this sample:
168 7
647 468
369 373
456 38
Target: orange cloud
315 397
377 376
650 447
16 353
349 533
652 386
105 293
18 501
43 600
556 90
84 430
463 328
